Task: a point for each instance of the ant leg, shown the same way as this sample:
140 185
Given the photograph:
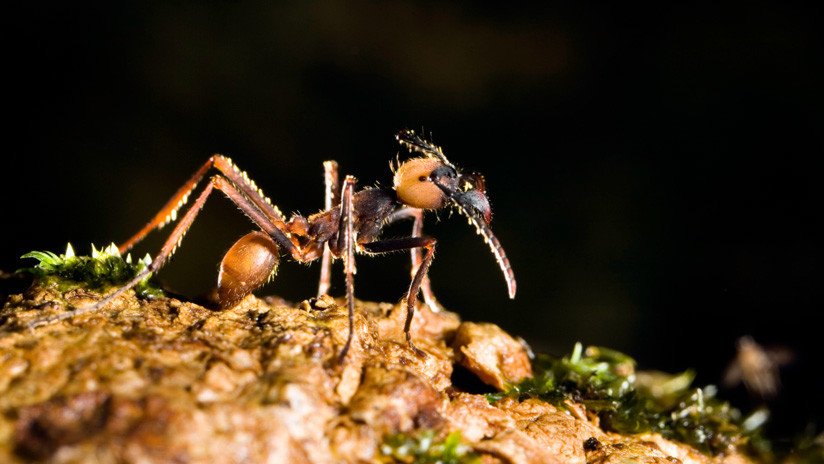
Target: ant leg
168 213
175 238
417 256
417 262
386 246
330 178
348 238
165 252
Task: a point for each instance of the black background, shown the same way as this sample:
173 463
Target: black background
651 168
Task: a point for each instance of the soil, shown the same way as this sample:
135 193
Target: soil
165 380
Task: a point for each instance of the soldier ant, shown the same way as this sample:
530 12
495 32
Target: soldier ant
351 221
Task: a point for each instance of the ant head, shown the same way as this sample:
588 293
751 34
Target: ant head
424 183
432 182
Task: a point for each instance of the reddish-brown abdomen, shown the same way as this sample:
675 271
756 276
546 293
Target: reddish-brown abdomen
246 266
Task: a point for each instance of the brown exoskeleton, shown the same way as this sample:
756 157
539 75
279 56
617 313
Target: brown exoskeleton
352 221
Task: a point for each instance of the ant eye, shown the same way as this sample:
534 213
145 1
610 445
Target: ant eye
444 171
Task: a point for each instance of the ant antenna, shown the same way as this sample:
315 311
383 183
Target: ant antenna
414 142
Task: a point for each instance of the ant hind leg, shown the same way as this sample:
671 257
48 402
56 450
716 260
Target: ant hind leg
261 217
168 249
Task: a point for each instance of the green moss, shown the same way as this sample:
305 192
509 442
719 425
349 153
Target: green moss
626 401
102 270
424 448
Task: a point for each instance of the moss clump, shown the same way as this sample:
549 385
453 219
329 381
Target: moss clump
424 448
102 270
606 382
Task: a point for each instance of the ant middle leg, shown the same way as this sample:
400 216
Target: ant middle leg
387 246
331 199
346 243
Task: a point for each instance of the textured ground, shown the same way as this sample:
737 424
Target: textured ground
169 381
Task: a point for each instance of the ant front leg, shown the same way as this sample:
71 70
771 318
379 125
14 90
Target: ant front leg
331 199
417 256
387 246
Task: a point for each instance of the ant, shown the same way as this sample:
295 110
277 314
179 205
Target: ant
351 221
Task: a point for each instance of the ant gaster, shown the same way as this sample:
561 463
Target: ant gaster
351 221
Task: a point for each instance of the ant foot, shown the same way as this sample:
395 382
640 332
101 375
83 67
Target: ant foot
418 352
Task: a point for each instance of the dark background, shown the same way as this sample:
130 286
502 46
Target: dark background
651 169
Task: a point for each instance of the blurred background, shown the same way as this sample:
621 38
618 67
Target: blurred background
651 169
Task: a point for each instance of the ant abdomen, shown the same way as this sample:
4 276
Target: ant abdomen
248 264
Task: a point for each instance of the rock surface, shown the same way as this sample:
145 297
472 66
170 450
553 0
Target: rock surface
170 381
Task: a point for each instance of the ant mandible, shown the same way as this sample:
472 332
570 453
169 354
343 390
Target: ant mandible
352 221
